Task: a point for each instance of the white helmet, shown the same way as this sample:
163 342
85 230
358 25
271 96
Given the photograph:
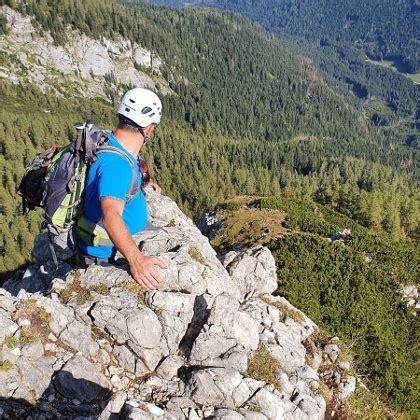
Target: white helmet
142 106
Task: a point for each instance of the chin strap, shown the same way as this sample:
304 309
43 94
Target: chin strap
145 137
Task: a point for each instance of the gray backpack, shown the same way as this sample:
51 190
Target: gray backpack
55 181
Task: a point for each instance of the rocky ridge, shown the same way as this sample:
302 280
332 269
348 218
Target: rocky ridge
84 65
91 344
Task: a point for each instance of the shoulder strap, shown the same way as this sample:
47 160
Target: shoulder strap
134 187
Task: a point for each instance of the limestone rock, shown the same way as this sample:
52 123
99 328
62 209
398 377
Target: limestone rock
7 326
346 387
254 271
81 379
218 387
179 352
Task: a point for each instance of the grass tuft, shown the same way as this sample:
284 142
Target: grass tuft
5 365
171 223
285 311
11 342
196 254
132 286
83 295
254 408
263 367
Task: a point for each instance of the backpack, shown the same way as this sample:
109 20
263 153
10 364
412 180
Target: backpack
55 181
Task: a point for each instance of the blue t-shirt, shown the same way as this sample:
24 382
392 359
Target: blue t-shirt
110 176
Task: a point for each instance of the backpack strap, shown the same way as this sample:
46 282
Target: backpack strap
93 233
134 187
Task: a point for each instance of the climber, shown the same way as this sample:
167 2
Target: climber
115 211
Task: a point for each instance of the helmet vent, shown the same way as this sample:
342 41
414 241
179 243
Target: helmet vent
132 101
146 109
127 109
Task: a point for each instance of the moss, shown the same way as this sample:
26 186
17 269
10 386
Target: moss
171 223
285 311
11 342
82 294
5 365
255 408
196 254
133 287
101 289
27 336
44 315
73 288
264 367
320 337
39 319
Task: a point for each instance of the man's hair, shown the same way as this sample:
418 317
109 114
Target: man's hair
126 124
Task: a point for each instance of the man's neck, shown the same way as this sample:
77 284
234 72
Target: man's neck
133 142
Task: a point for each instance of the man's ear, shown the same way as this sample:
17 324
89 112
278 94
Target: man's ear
149 129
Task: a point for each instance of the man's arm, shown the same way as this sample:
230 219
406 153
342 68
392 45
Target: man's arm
141 267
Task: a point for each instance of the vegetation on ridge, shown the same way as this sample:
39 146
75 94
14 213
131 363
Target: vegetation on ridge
348 286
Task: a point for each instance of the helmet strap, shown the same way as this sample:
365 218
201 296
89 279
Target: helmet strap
145 137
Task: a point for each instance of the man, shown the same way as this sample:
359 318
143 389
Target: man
116 214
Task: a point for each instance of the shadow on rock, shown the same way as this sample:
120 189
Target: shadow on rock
36 278
66 396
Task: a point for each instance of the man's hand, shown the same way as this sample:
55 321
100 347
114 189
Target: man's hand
143 271
142 268
154 186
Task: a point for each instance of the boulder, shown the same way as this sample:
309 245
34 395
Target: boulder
253 270
79 379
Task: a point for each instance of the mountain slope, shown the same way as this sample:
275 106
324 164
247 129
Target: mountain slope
339 35
383 29
235 80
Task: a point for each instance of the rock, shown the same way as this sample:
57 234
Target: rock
36 377
254 271
168 369
409 291
125 358
344 365
78 61
218 387
114 406
309 407
61 315
81 379
7 301
346 387
227 415
175 312
78 336
9 382
208 224
178 352
290 353
227 338
7 326
272 406
33 351
331 351
144 333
